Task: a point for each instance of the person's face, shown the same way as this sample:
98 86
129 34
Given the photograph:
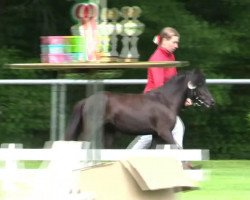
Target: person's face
170 44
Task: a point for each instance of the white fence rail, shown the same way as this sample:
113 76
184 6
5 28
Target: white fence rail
55 180
105 81
104 154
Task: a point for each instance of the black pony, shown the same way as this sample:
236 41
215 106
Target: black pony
151 113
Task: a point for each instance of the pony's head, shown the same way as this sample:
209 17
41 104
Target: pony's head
197 89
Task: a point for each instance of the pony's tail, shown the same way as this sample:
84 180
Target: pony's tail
76 123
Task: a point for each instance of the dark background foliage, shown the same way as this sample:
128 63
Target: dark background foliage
214 37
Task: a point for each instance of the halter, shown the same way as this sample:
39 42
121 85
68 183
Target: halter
192 94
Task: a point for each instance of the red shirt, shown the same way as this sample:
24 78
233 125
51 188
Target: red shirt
157 76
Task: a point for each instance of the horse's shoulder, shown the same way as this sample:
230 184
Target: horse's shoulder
154 96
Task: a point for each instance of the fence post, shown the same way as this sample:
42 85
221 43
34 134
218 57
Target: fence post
11 166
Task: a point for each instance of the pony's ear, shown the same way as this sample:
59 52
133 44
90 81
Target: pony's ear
197 77
196 71
190 85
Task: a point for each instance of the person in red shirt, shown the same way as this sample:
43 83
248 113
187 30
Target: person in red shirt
168 42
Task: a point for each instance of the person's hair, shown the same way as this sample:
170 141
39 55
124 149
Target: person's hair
168 33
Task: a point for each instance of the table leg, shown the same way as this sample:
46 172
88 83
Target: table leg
53 114
62 105
94 125
57 119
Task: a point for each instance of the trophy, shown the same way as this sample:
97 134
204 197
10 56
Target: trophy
108 30
131 29
86 14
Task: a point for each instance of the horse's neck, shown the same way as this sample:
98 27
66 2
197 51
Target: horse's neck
172 95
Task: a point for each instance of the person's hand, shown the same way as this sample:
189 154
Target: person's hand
188 102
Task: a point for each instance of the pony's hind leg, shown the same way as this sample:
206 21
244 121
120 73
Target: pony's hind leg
108 140
108 136
75 125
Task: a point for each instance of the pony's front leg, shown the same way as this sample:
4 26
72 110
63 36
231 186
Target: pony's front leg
156 140
167 138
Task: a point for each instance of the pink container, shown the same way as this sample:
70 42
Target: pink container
55 58
52 39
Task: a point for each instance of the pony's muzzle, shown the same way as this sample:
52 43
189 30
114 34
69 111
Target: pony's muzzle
212 102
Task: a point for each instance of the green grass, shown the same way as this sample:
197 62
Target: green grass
26 164
228 180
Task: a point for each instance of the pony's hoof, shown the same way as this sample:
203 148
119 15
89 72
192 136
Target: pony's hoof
188 165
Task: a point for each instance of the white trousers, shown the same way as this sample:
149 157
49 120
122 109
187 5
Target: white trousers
144 141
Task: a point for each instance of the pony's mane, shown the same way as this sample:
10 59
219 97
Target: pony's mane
179 76
187 74
167 87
